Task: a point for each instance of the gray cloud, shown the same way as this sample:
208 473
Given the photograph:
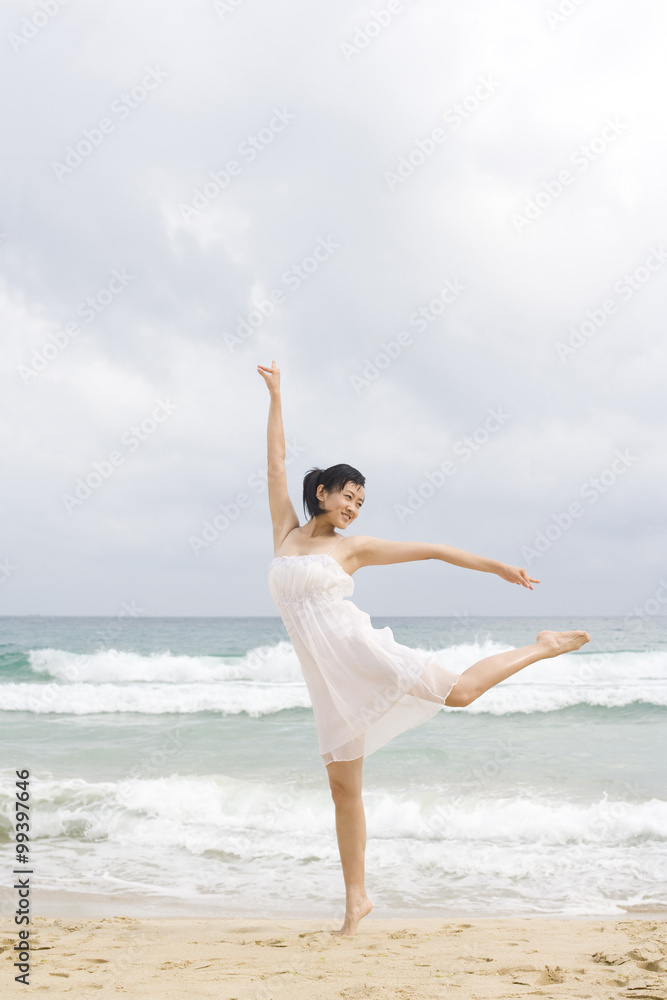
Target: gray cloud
581 95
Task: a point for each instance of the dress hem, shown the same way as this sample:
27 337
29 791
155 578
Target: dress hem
438 699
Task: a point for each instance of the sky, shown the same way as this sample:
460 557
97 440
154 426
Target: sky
446 222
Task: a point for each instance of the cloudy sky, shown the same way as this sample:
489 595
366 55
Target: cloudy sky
445 221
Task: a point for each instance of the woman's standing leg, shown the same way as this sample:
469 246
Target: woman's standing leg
345 783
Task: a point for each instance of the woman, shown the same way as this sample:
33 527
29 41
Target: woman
364 687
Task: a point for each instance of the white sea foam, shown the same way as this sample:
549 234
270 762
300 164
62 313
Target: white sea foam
278 663
268 679
262 663
194 811
257 699
153 699
274 845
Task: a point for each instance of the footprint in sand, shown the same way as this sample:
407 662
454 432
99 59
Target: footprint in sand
649 956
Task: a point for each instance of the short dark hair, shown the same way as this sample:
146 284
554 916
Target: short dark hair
334 479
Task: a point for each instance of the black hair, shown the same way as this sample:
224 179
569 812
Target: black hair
334 479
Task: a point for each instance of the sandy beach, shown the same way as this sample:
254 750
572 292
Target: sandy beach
412 959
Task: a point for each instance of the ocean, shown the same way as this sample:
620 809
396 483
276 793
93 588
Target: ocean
175 770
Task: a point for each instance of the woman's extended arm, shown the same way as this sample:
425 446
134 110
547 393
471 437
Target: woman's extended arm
370 551
283 515
275 434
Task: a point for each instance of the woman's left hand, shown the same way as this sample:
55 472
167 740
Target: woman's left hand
513 574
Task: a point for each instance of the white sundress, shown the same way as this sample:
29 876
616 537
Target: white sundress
365 688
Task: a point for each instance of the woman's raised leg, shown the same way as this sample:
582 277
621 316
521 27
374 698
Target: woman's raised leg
345 783
492 669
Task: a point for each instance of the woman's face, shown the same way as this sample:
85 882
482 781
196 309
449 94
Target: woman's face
342 507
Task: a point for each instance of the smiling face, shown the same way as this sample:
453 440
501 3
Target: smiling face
342 508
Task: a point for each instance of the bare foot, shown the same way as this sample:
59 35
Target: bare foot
353 915
562 642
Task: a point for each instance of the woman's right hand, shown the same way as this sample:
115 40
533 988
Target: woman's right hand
271 376
515 574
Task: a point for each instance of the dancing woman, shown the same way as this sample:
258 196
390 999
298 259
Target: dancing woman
365 688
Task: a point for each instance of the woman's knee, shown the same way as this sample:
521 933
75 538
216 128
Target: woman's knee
344 780
463 693
342 796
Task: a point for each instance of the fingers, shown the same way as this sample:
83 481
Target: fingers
514 572
525 579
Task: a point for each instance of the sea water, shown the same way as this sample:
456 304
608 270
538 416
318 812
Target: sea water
175 769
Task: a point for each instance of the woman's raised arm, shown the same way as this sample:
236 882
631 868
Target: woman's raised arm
283 515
